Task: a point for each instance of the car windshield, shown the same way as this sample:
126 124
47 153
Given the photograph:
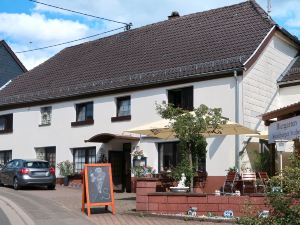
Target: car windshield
36 165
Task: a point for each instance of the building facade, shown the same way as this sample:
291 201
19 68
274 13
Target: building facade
79 105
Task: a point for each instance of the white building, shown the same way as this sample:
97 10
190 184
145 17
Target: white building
229 57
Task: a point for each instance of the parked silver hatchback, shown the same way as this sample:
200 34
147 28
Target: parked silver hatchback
20 172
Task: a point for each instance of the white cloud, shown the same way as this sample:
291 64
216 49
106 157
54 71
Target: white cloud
32 31
38 29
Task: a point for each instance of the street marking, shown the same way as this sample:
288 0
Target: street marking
11 210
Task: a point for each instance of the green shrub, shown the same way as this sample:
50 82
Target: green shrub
65 168
285 203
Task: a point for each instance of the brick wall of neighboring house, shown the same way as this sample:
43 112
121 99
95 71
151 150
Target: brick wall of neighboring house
148 200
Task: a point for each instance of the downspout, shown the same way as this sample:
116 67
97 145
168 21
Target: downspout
237 120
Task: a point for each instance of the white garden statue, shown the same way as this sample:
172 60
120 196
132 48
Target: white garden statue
181 183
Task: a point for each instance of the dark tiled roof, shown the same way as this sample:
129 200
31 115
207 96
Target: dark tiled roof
284 111
188 46
293 74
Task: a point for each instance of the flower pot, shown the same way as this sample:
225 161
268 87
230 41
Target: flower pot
66 181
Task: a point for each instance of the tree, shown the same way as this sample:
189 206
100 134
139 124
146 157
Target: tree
189 128
285 203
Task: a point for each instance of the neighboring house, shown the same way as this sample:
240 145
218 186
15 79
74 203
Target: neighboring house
10 65
289 83
229 57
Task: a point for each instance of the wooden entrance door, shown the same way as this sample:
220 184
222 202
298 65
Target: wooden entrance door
121 168
116 160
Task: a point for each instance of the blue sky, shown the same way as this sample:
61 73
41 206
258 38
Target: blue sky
26 25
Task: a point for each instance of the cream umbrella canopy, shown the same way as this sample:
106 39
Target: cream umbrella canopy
260 135
161 129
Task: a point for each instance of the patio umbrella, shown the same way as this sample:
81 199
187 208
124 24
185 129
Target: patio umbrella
261 135
161 129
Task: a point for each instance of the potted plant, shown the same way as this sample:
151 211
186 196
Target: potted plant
149 171
138 171
65 170
137 153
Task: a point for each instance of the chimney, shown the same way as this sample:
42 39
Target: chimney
173 15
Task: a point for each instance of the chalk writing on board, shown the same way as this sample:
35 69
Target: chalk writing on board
99 184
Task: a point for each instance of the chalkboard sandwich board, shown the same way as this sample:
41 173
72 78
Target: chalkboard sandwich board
97 187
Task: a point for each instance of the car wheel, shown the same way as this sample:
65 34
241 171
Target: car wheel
51 187
16 184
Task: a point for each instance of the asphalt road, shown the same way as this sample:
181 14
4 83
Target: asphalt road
40 210
3 218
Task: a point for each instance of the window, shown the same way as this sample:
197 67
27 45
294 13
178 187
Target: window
83 156
6 123
123 109
167 155
46 115
48 154
84 114
5 157
40 165
182 98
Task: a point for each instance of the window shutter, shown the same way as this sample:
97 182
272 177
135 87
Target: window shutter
188 98
170 97
89 110
9 122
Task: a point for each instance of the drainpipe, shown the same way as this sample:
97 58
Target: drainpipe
237 119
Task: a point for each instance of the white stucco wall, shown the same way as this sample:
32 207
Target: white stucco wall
260 91
289 95
27 135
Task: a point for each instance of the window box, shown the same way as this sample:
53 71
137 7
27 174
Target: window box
44 125
120 118
82 123
7 131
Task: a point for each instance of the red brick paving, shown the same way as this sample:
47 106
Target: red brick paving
70 198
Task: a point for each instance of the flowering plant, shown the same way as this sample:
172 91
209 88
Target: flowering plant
138 171
65 168
149 170
137 153
142 171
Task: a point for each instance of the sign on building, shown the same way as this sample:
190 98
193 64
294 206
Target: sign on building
288 129
97 187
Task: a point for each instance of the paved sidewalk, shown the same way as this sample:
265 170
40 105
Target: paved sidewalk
70 198
64 205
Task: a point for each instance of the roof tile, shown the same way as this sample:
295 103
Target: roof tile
188 46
